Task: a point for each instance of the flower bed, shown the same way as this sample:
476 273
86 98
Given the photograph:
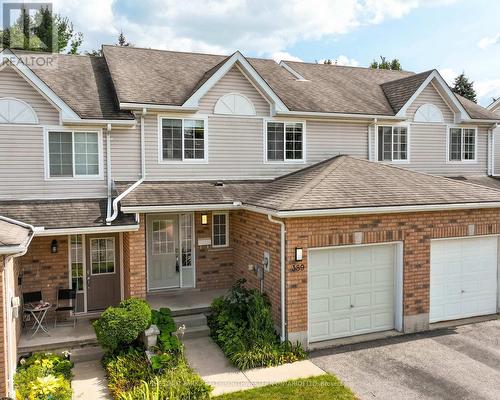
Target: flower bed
134 374
44 376
242 326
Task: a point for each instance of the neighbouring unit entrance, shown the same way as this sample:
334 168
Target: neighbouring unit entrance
170 251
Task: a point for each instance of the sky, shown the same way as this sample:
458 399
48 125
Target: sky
452 36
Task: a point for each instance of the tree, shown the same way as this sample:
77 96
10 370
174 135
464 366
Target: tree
43 31
394 64
464 87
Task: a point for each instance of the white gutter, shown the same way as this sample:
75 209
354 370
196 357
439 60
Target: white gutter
179 208
282 275
117 200
87 230
124 122
491 131
158 107
338 115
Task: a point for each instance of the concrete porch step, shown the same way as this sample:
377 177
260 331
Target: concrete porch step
191 321
56 347
196 332
89 353
190 311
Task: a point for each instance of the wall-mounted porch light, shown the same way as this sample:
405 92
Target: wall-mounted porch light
204 219
53 246
298 254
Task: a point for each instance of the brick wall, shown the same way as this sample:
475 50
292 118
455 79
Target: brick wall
415 229
134 261
214 266
43 270
252 234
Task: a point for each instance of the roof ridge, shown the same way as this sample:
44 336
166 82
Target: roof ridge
334 164
349 66
410 76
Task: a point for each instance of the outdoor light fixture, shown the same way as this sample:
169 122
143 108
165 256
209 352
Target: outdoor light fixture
53 246
204 219
298 254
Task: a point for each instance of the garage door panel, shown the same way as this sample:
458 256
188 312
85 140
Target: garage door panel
463 278
361 277
320 306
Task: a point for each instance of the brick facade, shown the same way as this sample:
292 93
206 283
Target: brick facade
415 230
134 261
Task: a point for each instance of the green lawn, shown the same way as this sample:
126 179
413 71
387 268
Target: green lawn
325 387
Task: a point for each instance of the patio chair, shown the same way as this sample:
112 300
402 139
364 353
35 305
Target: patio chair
68 296
30 298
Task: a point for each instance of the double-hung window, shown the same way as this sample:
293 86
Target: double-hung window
73 154
220 229
462 144
183 139
285 141
392 143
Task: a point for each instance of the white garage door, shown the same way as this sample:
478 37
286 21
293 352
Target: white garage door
350 291
463 278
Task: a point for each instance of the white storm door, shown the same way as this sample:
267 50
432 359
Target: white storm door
463 278
351 291
163 252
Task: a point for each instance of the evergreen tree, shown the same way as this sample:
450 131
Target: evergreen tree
394 64
464 87
122 42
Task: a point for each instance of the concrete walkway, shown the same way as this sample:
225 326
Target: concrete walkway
89 381
206 358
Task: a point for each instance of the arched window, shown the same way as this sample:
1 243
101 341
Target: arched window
428 113
14 111
234 104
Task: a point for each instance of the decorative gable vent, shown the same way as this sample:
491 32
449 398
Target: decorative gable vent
13 111
234 104
428 113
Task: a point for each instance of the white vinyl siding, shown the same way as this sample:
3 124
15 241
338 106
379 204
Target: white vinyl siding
126 154
234 82
431 96
13 85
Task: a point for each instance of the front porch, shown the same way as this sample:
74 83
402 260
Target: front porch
67 337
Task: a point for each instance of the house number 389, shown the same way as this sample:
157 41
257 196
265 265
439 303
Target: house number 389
297 268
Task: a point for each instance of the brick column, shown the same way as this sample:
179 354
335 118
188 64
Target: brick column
134 261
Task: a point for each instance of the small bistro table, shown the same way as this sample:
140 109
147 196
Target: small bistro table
38 312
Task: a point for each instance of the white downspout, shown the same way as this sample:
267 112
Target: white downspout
492 149
108 169
282 275
371 156
143 174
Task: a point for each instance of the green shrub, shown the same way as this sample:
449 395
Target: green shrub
126 370
44 376
241 323
167 342
120 326
179 383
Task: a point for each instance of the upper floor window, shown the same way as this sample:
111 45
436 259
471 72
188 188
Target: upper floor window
74 154
285 141
183 139
462 144
392 143
14 111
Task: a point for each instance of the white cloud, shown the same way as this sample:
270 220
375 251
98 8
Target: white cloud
341 60
487 89
284 56
449 75
262 27
489 41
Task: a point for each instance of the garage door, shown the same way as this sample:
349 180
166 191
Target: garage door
350 291
463 278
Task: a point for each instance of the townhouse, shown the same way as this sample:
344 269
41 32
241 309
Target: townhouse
359 200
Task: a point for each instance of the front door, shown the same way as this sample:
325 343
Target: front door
163 251
103 271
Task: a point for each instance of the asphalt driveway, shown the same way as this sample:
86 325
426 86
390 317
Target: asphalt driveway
456 363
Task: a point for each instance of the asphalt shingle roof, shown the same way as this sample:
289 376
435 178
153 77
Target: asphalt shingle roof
53 214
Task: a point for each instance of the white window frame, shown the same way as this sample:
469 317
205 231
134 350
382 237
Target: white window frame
448 133
285 160
84 255
114 253
203 160
226 213
408 136
100 149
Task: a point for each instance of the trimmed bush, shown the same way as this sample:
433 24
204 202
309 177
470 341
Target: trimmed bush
44 376
121 326
241 323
